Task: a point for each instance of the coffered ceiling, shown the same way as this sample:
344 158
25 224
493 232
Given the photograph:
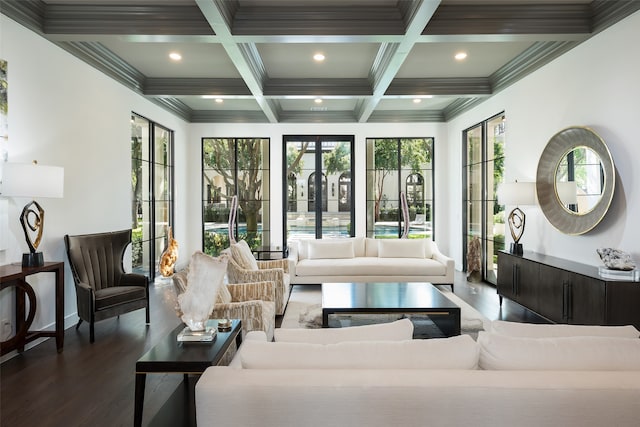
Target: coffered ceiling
252 60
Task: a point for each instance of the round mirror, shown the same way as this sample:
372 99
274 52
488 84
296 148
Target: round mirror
579 180
575 180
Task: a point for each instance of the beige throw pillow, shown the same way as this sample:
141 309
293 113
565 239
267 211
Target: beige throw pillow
243 256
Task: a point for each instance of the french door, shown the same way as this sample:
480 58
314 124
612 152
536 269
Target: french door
483 168
318 185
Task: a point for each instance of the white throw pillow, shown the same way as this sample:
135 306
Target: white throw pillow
399 330
500 352
331 249
242 254
531 330
460 352
400 248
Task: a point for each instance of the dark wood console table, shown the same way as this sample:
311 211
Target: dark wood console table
15 275
565 291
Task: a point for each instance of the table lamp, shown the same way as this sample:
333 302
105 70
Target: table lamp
518 194
567 192
34 181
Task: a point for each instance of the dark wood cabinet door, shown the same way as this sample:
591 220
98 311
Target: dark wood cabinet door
517 280
553 293
527 277
587 301
505 283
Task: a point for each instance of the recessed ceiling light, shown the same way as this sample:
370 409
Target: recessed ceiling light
460 56
417 100
175 56
318 57
318 101
219 100
208 96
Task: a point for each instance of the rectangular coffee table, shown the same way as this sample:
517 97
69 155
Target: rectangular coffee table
171 356
433 314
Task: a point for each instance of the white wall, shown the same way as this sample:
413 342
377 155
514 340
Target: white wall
62 112
596 84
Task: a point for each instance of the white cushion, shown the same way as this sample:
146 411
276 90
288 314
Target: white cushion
331 249
399 330
401 248
370 247
531 330
243 256
459 352
428 248
500 352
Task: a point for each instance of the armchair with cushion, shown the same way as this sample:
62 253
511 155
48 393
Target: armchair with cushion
103 288
244 268
253 303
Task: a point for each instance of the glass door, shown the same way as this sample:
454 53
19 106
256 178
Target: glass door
483 173
319 187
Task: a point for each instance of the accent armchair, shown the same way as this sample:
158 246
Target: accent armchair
103 289
276 271
253 303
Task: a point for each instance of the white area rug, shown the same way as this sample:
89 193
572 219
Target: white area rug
305 305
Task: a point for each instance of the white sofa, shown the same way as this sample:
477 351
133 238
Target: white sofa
363 259
545 379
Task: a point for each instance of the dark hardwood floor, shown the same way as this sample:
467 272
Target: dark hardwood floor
93 384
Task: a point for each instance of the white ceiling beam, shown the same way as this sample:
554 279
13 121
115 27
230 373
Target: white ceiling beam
384 73
237 54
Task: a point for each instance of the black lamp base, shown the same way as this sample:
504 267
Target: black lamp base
516 248
33 259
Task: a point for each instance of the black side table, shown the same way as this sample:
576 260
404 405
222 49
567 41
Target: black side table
265 253
171 356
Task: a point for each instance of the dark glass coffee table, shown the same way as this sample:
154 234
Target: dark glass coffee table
171 356
353 304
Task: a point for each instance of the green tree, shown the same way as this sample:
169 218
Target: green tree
295 163
414 152
338 159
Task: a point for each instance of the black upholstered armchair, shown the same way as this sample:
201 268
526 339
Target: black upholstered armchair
103 289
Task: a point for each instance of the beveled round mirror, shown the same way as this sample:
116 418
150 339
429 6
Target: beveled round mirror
575 180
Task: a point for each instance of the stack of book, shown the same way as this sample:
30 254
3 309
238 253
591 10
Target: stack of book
187 335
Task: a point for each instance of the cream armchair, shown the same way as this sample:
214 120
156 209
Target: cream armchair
276 271
253 303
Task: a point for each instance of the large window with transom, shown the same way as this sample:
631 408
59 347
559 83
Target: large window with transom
235 167
396 165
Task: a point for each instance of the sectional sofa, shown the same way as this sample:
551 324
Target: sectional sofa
556 375
363 259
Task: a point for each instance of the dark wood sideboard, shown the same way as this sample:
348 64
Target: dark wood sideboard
566 291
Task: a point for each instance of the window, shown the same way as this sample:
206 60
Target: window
318 166
152 190
235 166
395 165
483 171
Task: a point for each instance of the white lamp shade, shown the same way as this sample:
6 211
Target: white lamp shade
32 180
567 192
517 193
